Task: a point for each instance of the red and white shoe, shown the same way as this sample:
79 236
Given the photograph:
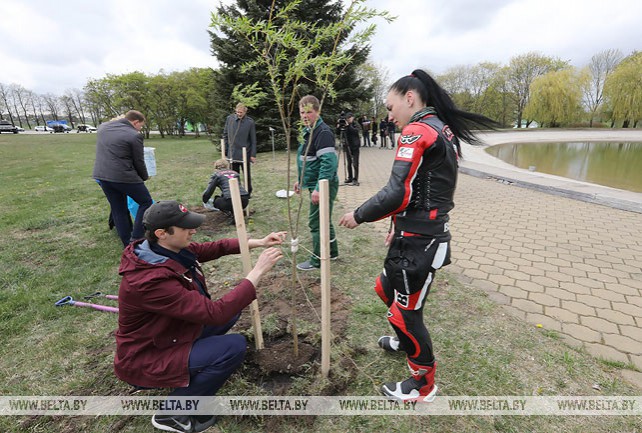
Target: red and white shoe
420 387
410 390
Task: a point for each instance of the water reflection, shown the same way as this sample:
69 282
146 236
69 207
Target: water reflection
618 165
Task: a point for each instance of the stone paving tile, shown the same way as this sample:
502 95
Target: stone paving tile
572 266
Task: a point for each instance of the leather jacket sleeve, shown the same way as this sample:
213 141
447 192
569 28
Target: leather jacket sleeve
214 181
395 196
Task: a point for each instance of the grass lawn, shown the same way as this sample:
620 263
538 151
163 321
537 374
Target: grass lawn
55 242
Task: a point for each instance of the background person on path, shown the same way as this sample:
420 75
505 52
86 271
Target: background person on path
352 150
171 334
321 162
392 129
383 132
373 125
418 196
120 171
240 132
365 130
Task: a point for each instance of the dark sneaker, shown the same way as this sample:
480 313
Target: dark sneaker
355 183
203 422
389 344
334 257
306 266
175 423
347 181
410 389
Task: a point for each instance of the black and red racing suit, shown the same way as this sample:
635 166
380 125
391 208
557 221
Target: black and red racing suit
418 196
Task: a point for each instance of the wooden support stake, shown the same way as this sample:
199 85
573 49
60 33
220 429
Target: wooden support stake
324 220
246 181
245 258
223 156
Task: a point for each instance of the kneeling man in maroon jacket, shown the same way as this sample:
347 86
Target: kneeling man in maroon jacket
170 332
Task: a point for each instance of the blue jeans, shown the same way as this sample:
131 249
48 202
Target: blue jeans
214 357
116 194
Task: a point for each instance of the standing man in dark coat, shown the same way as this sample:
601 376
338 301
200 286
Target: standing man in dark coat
383 132
352 151
240 132
120 170
365 129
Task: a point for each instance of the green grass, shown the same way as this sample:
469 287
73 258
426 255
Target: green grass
55 242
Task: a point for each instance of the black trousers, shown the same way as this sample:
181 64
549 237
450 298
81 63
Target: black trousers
352 158
404 284
116 194
225 204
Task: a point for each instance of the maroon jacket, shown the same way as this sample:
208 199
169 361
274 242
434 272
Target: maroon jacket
162 312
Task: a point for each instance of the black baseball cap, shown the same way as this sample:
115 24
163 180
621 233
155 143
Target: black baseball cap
168 213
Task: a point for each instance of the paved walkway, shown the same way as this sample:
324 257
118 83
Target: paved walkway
572 265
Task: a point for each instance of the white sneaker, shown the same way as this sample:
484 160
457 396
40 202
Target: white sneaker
209 206
389 343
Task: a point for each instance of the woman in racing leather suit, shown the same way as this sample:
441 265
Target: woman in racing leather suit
418 197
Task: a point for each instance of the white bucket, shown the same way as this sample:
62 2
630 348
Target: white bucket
150 160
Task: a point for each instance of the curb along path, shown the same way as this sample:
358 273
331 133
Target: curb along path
572 266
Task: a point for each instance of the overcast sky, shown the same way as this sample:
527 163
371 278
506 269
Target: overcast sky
51 46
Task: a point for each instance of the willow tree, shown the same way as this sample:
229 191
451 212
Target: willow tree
522 71
300 57
623 91
556 98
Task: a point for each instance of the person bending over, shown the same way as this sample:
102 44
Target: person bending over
221 179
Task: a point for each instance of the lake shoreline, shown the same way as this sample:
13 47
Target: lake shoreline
477 162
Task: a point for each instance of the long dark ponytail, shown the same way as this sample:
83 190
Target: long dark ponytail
432 94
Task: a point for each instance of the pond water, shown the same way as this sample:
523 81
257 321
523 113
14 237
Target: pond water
618 165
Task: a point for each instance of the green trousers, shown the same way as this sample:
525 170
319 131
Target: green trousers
314 225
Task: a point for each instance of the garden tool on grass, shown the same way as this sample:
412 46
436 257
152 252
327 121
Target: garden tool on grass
68 300
102 295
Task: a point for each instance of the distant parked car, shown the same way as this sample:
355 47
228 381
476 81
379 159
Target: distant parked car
6 126
42 128
61 127
20 129
86 128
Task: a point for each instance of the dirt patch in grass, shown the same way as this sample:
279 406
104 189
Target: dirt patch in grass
280 307
215 221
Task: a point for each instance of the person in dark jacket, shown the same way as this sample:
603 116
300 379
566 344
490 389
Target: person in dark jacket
316 160
392 129
221 179
171 334
240 132
373 124
365 129
120 170
352 150
418 197
383 133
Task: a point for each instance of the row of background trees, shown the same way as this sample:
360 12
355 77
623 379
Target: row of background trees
531 87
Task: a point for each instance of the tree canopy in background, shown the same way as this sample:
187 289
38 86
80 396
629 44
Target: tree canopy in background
260 41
